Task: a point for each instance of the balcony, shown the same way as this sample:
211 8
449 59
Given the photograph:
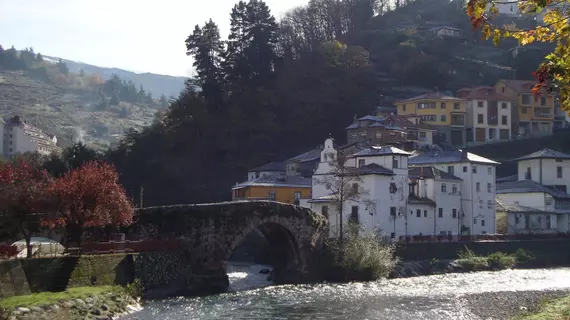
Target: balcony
543 113
457 120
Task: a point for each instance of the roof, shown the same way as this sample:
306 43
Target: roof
483 93
431 173
371 118
327 198
432 157
403 121
529 186
432 95
443 27
544 154
277 180
310 155
514 177
270 167
380 151
413 199
372 168
520 85
515 208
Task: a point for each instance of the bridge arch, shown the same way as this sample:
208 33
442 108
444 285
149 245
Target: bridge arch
211 232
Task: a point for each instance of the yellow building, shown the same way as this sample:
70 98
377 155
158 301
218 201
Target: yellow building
532 115
446 113
276 187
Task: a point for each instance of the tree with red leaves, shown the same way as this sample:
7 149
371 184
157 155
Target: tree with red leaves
23 197
89 197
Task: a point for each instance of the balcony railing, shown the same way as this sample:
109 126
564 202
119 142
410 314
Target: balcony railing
543 115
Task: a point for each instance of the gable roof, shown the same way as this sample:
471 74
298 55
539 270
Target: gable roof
372 168
277 180
544 154
432 95
310 155
380 151
432 157
515 208
482 93
431 173
405 122
519 85
270 167
529 186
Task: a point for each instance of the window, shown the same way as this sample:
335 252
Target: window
456 106
526 99
443 118
422 135
523 110
489 204
548 223
517 219
355 188
440 213
393 211
480 104
425 213
450 169
482 223
559 160
454 213
464 168
297 196
428 117
503 88
559 172
443 187
480 118
442 105
272 195
481 204
490 170
539 221
394 163
419 213
426 105
474 221
474 169
257 175
404 107
378 135
361 163
354 214
325 211
504 120
453 189
489 187
528 174
503 105
491 133
542 101
548 201
478 187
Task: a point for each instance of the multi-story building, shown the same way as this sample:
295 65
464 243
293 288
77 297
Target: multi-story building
21 137
542 184
533 115
488 114
267 169
477 174
445 114
402 131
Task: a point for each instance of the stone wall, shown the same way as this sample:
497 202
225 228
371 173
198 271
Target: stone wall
547 251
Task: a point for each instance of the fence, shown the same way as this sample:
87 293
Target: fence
485 237
48 250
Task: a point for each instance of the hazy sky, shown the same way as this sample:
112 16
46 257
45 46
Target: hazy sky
137 35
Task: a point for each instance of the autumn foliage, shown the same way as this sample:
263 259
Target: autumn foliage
23 194
88 197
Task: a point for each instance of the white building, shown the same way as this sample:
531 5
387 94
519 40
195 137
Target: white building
380 174
488 115
20 137
477 174
542 183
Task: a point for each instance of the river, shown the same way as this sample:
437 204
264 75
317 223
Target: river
439 297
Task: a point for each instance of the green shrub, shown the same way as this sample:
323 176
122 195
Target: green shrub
473 264
500 260
135 289
522 256
360 257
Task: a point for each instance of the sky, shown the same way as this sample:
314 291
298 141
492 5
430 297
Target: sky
135 35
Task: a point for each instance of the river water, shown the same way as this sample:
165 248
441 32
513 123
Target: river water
440 297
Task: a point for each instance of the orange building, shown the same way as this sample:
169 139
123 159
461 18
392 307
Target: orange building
277 187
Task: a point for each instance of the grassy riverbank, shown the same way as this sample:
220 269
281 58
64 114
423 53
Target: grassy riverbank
557 309
74 303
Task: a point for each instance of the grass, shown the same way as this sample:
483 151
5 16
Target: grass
558 309
495 261
46 298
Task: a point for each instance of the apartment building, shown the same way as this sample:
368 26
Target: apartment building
19 136
489 115
533 115
443 113
478 190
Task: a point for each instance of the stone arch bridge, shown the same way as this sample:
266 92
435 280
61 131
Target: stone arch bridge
208 234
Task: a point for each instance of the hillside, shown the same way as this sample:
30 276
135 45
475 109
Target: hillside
157 84
69 112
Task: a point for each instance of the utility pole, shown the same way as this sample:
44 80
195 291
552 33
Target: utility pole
141 196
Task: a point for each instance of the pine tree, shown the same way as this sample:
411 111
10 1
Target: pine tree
234 59
115 99
206 47
62 67
1 57
163 101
